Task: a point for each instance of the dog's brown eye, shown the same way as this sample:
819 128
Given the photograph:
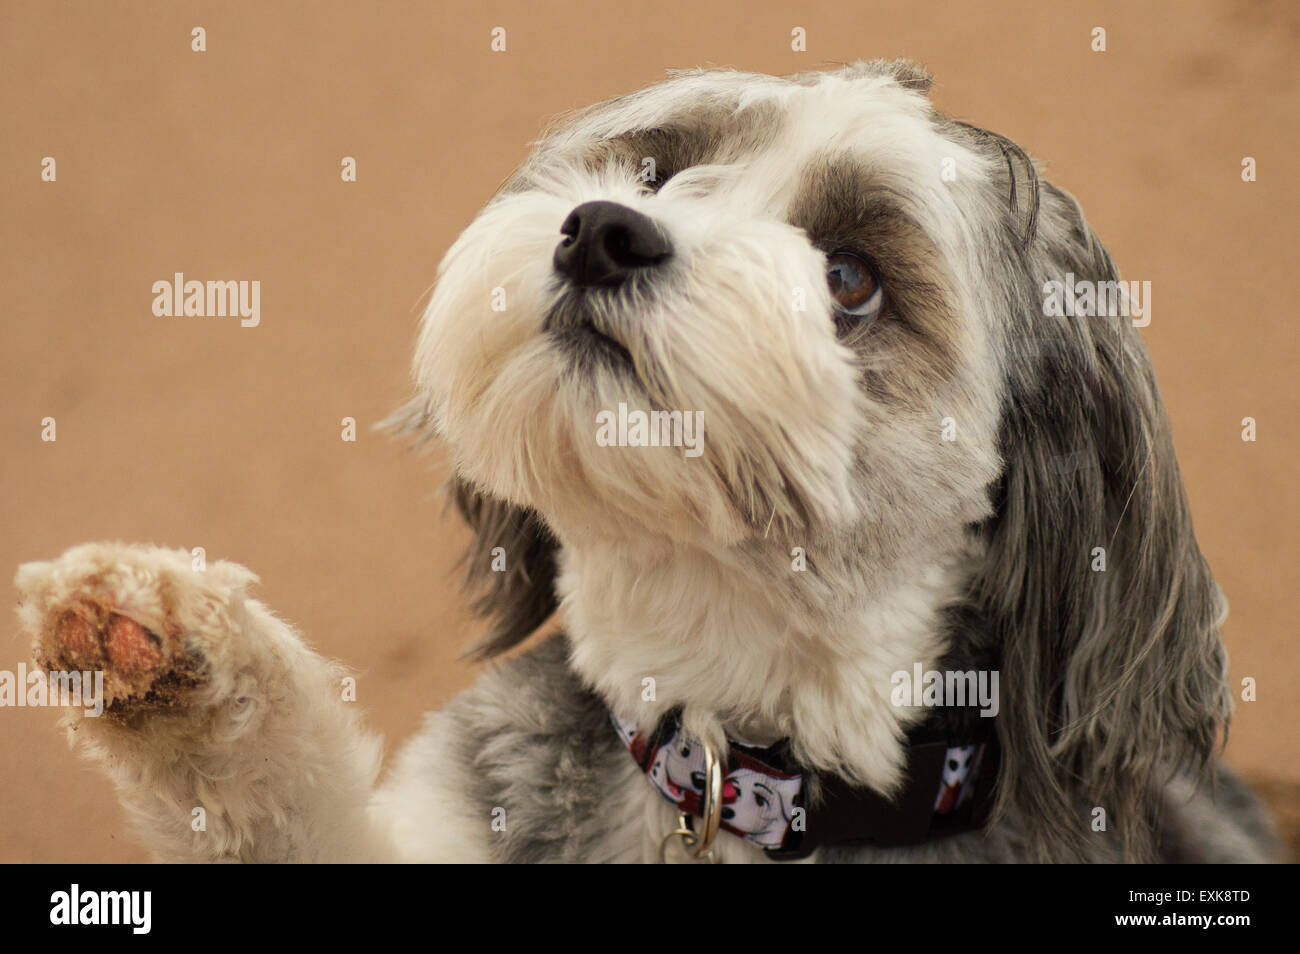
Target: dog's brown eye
854 288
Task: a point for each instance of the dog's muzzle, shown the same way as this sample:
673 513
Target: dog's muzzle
606 244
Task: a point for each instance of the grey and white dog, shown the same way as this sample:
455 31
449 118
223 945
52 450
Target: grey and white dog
901 456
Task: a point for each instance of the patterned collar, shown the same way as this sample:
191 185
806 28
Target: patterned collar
769 801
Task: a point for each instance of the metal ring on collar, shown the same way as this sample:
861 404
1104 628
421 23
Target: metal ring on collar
711 810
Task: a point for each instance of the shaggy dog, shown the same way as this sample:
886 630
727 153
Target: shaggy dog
772 388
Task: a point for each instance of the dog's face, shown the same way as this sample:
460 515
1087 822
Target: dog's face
784 263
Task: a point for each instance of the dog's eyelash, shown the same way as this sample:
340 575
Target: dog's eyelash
850 247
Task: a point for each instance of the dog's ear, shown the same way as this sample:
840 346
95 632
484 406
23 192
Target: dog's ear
510 564
1094 590
906 74
509 568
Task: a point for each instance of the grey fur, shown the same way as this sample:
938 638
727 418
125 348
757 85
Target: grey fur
1115 678
532 740
520 598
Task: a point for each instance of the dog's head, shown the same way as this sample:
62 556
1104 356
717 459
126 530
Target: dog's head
834 298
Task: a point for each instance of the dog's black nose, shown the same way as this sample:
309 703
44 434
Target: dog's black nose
605 243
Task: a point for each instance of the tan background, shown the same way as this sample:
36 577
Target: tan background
225 165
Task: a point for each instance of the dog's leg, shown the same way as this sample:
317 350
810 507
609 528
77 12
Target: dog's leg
226 737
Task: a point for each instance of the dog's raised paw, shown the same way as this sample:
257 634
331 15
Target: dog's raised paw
143 616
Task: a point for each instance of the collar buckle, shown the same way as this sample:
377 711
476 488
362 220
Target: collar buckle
710 811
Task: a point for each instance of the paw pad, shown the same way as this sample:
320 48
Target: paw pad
131 648
139 665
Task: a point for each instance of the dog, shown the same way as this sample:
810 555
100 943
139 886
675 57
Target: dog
905 459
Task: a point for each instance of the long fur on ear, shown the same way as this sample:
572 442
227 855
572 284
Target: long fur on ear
518 598
1111 678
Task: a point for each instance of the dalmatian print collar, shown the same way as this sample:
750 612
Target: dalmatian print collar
765 796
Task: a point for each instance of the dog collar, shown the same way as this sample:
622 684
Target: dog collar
768 801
